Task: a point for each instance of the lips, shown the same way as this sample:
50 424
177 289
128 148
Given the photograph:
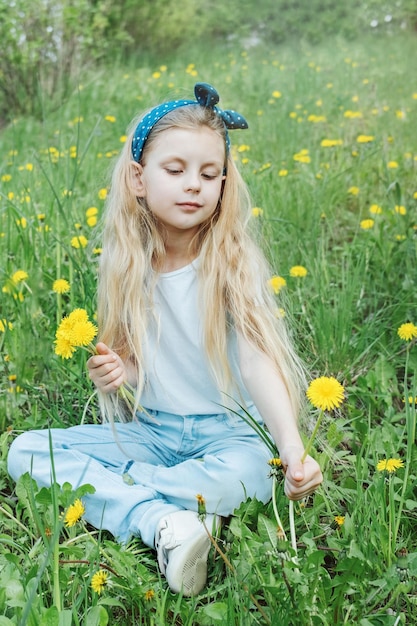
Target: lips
191 206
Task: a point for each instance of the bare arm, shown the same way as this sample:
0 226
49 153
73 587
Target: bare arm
271 398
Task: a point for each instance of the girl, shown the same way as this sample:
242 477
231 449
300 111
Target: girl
186 318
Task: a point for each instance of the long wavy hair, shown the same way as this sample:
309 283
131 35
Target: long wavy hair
233 272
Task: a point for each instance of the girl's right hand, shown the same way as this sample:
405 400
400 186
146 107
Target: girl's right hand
106 369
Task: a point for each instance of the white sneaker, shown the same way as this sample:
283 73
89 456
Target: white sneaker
182 546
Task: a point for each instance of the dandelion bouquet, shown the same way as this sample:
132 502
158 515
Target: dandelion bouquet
77 331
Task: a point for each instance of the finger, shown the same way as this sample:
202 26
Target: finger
98 361
296 471
102 348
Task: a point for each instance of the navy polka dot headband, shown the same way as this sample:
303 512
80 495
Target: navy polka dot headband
205 95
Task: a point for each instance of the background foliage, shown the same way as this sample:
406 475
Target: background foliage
45 42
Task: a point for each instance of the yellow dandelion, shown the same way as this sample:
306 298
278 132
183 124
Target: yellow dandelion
61 285
99 581
365 138
411 400
92 221
149 595
64 348
392 165
110 118
331 143
375 209
367 224
6 178
74 513
407 331
276 94
340 520
389 465
354 191
276 283
325 393
315 119
74 331
298 271
400 209
5 325
352 114
102 193
201 505
276 467
275 462
19 277
302 157
82 333
92 210
79 242
77 315
257 211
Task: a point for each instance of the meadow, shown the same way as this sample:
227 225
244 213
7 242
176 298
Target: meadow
331 161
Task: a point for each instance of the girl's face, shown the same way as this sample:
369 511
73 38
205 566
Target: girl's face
182 177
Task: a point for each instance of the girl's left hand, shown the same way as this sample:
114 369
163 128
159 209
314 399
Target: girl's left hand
301 478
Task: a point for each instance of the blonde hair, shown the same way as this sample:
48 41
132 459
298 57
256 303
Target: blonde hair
233 272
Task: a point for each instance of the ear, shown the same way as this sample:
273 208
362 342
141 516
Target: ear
137 184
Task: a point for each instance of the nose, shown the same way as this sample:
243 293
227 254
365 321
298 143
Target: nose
192 182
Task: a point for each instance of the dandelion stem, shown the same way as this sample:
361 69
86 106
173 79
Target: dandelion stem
57 590
292 527
313 436
411 415
274 506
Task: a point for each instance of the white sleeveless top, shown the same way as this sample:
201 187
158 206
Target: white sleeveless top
178 377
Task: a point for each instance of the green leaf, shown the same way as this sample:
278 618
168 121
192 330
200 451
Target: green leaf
217 611
355 551
267 530
65 618
97 616
50 617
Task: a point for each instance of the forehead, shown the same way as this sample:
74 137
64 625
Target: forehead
198 143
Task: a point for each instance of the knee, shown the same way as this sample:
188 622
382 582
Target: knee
237 479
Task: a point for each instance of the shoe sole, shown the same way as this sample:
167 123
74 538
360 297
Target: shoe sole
187 569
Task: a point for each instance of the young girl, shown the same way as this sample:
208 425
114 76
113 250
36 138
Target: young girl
186 318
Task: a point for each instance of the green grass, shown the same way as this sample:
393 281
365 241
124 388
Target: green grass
359 288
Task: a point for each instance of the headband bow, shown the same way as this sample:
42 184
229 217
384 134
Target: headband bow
206 96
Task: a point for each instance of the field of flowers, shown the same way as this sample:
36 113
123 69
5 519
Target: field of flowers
331 160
